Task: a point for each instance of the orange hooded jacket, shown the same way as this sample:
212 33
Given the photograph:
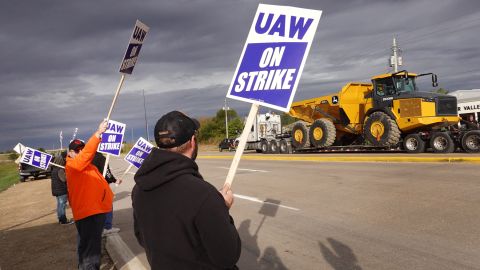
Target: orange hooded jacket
88 191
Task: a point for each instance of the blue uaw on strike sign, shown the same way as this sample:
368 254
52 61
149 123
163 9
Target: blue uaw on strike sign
36 158
112 138
274 55
139 152
134 46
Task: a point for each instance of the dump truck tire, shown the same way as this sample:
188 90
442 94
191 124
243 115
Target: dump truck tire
413 143
322 133
471 141
300 135
381 130
441 142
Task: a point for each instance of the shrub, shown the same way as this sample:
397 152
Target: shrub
13 156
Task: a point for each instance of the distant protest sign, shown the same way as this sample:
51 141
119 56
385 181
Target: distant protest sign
134 47
36 158
274 55
139 152
112 138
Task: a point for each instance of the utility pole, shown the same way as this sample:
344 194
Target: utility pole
395 59
226 117
145 109
132 137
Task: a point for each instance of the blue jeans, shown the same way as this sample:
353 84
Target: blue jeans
108 220
61 204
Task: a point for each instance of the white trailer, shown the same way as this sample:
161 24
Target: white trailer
468 102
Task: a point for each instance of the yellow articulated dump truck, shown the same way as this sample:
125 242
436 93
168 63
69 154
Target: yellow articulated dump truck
389 113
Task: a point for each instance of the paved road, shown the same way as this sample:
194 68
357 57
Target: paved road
316 215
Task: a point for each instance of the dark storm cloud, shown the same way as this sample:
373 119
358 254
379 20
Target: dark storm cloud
60 59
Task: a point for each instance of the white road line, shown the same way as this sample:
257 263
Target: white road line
239 169
253 199
131 173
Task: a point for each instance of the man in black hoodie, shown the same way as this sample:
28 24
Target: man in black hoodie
181 220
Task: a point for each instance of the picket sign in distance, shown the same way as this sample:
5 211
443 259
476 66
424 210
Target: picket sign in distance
274 55
36 158
126 67
139 152
134 46
112 138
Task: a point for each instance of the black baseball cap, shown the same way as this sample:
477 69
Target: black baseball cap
176 126
76 145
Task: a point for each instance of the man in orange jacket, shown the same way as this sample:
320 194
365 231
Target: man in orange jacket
90 198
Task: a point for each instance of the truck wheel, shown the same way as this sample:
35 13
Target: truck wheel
300 135
283 147
413 143
441 142
381 130
23 179
471 141
273 147
264 146
322 133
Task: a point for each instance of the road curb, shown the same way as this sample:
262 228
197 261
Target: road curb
351 159
121 255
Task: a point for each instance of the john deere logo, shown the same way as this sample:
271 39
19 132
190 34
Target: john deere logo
334 99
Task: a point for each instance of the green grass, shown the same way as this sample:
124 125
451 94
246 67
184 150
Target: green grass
8 174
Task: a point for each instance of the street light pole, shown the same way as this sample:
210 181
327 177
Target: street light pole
226 117
132 137
145 109
61 139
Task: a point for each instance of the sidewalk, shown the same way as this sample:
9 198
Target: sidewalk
30 236
123 247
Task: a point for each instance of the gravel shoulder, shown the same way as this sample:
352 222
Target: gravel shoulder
30 236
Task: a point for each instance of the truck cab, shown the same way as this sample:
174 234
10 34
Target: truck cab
265 127
263 134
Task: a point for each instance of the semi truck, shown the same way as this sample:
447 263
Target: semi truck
265 134
389 113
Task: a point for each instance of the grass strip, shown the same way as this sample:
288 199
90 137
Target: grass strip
8 174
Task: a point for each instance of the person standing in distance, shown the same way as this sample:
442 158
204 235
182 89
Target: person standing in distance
90 198
99 162
59 188
181 220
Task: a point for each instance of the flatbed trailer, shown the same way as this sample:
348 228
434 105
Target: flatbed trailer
458 140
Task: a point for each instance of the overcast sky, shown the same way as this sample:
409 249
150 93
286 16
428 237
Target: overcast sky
60 59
